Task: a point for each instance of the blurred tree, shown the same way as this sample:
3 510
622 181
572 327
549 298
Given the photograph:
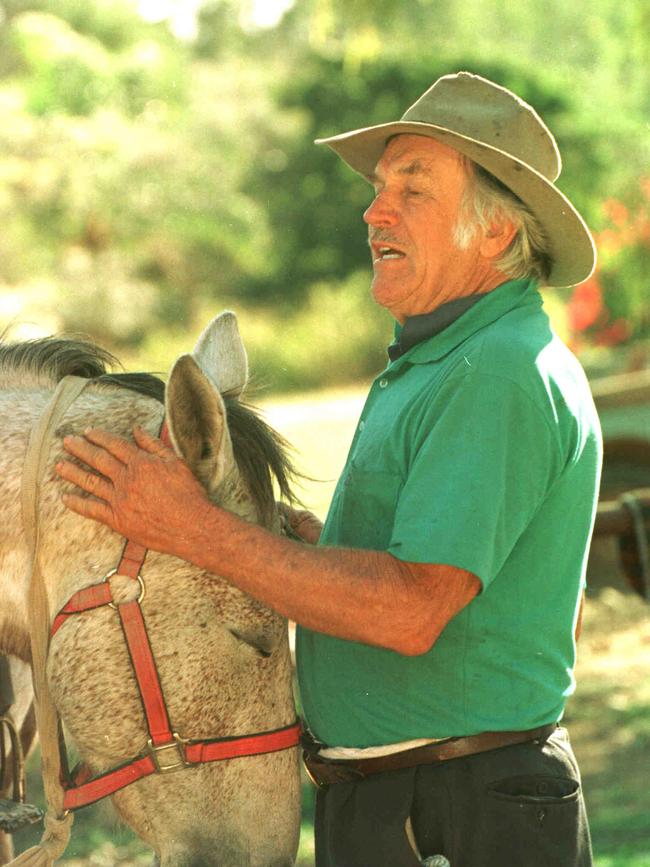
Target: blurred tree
219 32
66 71
122 164
143 177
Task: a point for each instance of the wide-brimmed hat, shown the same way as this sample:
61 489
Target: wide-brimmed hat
503 134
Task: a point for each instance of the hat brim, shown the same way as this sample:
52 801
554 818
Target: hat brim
572 249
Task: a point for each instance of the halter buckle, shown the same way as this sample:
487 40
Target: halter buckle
168 757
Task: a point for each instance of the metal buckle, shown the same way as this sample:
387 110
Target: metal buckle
326 772
139 579
310 774
175 761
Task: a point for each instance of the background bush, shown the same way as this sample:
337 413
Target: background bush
148 180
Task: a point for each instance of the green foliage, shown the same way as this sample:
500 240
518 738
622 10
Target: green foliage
67 72
625 259
337 335
145 180
218 31
113 23
128 223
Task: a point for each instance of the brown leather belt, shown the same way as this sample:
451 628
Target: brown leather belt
326 772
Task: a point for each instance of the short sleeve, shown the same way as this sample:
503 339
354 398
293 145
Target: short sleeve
483 459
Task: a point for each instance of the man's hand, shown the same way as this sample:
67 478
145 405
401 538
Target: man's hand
303 524
142 490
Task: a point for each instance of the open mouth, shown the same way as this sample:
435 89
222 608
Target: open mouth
384 253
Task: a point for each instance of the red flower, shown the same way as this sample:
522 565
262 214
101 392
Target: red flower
586 305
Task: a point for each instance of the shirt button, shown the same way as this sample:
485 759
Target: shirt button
383 383
362 424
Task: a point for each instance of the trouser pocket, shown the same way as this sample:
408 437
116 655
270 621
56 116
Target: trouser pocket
518 806
537 820
363 824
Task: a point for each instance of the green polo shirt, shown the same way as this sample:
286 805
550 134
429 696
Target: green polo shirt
478 448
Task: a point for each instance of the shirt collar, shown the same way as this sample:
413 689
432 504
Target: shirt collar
419 328
452 323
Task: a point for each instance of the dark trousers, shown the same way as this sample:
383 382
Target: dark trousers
518 806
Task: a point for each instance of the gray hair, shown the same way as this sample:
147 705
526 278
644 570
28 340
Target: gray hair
486 198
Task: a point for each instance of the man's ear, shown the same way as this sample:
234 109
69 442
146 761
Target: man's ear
497 238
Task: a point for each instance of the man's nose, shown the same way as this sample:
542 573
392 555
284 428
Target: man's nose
381 212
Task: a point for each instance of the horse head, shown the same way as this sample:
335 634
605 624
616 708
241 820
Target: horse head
222 658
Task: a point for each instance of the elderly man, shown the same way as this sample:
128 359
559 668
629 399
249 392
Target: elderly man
438 613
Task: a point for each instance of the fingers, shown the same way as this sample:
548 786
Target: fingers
152 444
98 486
118 447
94 456
108 453
298 517
94 509
303 524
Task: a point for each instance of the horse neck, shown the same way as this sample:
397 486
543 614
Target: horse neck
233 494
78 552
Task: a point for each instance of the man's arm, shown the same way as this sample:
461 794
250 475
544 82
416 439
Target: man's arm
145 493
367 596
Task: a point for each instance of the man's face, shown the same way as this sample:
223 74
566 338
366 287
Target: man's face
419 184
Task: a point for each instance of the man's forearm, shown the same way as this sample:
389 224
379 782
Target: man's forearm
325 589
359 595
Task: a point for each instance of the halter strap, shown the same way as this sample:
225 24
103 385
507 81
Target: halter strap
65 394
57 830
86 790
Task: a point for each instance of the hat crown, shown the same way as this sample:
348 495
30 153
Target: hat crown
484 111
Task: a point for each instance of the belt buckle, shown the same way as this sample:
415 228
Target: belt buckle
310 774
324 772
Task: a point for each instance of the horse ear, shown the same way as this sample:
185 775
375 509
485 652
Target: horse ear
220 354
196 416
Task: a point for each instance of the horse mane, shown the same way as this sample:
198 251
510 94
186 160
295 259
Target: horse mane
49 359
261 453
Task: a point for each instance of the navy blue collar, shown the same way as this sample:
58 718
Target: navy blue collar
426 325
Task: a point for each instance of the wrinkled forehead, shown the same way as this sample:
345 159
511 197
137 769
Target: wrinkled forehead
410 154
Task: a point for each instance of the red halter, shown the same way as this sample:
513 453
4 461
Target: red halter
166 750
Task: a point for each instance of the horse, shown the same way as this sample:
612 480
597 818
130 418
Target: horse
223 659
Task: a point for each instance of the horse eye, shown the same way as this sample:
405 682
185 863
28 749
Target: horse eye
262 651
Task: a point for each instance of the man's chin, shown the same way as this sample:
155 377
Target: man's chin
387 296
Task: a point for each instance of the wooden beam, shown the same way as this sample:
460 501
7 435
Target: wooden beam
613 518
624 389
